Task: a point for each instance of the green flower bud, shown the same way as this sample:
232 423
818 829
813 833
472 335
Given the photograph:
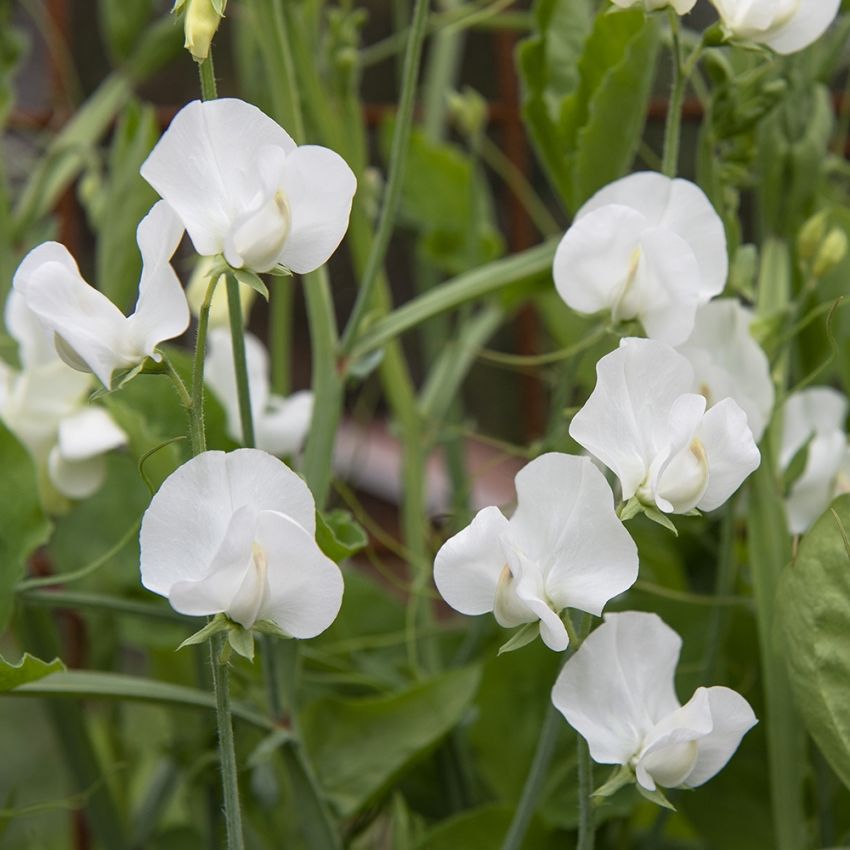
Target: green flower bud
811 235
468 110
200 24
831 253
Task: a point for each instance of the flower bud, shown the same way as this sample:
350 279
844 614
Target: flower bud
196 291
469 111
811 235
831 253
200 24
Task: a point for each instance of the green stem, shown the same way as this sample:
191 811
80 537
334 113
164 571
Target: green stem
196 423
226 748
240 362
586 819
673 130
206 72
398 159
196 411
280 334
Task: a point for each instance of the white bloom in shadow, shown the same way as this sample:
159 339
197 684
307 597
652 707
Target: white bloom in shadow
280 424
45 405
644 422
645 247
245 190
618 693
729 363
784 25
235 534
814 419
563 548
91 334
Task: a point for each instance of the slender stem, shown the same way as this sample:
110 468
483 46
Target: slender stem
673 130
196 425
240 362
206 71
226 748
280 334
586 820
196 411
398 158
536 777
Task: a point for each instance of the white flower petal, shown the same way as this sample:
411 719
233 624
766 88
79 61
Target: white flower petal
565 520
468 565
162 311
813 491
76 479
729 363
305 586
731 451
619 684
732 717
86 320
816 410
624 422
199 165
35 343
809 23
282 427
89 432
319 188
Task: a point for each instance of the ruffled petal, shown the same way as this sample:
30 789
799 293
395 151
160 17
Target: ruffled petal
468 565
619 684
305 587
319 188
199 165
731 451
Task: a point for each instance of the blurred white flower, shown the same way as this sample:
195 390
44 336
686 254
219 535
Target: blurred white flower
91 334
785 25
645 423
44 406
729 363
681 7
245 190
814 418
280 424
564 547
235 534
618 693
646 247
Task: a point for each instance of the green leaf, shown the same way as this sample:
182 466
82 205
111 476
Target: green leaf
521 637
28 669
621 777
121 22
359 746
219 623
483 828
339 535
250 279
657 796
814 608
25 527
241 641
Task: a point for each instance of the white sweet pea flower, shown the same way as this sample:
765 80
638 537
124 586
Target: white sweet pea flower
645 247
681 7
784 25
618 693
814 416
563 548
44 406
235 534
280 424
729 363
645 423
91 334
245 190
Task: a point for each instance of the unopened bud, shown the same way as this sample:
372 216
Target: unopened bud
831 253
469 111
197 289
200 24
811 235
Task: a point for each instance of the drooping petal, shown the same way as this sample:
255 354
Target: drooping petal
619 684
162 311
731 451
565 522
89 432
282 427
87 322
199 165
729 363
305 586
812 492
732 717
677 206
808 24
671 748
626 415
319 188
468 565
76 479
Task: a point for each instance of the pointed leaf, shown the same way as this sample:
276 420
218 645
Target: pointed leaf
28 669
